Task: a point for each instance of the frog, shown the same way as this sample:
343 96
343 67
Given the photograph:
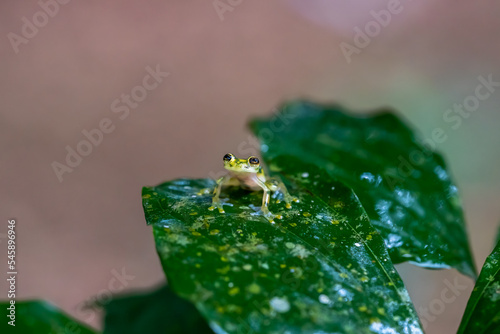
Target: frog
249 174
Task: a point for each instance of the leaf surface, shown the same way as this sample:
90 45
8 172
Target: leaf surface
405 188
321 268
39 317
482 314
158 311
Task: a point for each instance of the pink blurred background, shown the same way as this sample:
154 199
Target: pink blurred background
224 67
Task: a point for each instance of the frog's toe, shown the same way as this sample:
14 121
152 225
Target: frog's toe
220 208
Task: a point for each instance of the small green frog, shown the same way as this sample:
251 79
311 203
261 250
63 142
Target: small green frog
249 174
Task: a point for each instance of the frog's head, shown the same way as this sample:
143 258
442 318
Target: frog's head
250 165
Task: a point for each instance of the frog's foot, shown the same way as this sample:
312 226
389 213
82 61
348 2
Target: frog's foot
219 205
287 199
271 217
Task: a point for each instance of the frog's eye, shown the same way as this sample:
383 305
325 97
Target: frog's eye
253 161
228 157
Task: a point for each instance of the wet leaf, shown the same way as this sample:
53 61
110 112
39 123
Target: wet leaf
155 312
405 188
321 268
482 314
39 317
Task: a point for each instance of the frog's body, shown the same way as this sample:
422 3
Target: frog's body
249 174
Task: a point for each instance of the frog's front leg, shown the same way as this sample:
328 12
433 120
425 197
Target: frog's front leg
265 202
226 180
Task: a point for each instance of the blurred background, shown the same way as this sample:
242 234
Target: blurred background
174 82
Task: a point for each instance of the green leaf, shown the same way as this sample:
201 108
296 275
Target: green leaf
159 311
482 314
321 268
39 317
405 188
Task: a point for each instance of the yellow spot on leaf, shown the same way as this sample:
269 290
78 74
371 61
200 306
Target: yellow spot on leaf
224 270
282 265
335 222
253 288
214 232
363 308
234 291
306 214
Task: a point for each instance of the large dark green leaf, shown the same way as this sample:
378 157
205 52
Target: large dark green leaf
482 314
39 317
321 268
159 311
405 188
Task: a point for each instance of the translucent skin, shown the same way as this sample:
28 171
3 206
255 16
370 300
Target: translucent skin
249 174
